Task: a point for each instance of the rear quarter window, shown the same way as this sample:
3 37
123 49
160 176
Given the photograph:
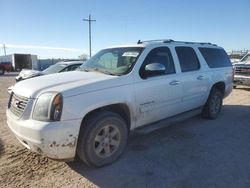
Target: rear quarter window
215 57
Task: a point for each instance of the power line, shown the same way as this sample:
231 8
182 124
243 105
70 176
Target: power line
89 20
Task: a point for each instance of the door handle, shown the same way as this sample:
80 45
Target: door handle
174 82
201 77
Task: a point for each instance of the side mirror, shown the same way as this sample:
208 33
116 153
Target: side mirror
154 69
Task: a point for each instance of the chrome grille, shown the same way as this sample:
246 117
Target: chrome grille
242 70
17 104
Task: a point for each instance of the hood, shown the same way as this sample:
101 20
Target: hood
242 63
26 73
68 83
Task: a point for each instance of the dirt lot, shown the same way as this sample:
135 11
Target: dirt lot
194 153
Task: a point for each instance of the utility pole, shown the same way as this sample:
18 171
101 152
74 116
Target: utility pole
4 49
89 20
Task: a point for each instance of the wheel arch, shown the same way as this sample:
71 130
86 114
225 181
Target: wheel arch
220 86
206 111
119 108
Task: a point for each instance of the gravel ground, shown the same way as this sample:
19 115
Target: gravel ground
194 153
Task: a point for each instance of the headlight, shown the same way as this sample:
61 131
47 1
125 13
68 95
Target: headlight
48 107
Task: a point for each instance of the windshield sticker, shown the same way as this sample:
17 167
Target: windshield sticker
130 54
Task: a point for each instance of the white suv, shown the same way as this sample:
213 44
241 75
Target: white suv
90 112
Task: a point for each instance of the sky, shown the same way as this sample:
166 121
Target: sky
54 28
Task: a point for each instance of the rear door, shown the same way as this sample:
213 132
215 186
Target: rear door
195 81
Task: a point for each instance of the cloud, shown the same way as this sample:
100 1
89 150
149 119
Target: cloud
43 48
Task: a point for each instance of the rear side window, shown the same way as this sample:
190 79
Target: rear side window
187 58
215 57
70 68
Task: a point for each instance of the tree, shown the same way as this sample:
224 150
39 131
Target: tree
83 57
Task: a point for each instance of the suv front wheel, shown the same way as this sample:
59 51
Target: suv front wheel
102 139
213 105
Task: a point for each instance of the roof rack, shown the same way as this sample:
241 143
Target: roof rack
170 40
201 43
157 40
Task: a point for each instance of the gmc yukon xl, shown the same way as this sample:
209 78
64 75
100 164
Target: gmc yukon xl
90 112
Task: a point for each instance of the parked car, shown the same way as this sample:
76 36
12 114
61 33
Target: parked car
242 71
90 112
56 68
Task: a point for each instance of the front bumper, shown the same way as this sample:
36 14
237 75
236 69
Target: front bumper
56 140
242 80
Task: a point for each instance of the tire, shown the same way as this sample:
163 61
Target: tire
1 71
102 139
213 105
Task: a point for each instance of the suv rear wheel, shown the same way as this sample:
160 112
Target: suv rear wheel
213 105
103 139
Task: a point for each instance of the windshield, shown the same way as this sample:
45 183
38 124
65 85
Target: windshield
54 68
114 61
246 58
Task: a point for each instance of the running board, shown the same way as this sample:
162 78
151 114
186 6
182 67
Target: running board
166 122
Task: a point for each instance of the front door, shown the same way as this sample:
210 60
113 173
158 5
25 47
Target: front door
157 96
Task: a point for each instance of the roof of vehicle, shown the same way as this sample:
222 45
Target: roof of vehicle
166 41
71 62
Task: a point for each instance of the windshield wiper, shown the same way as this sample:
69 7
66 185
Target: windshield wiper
85 69
95 69
105 71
